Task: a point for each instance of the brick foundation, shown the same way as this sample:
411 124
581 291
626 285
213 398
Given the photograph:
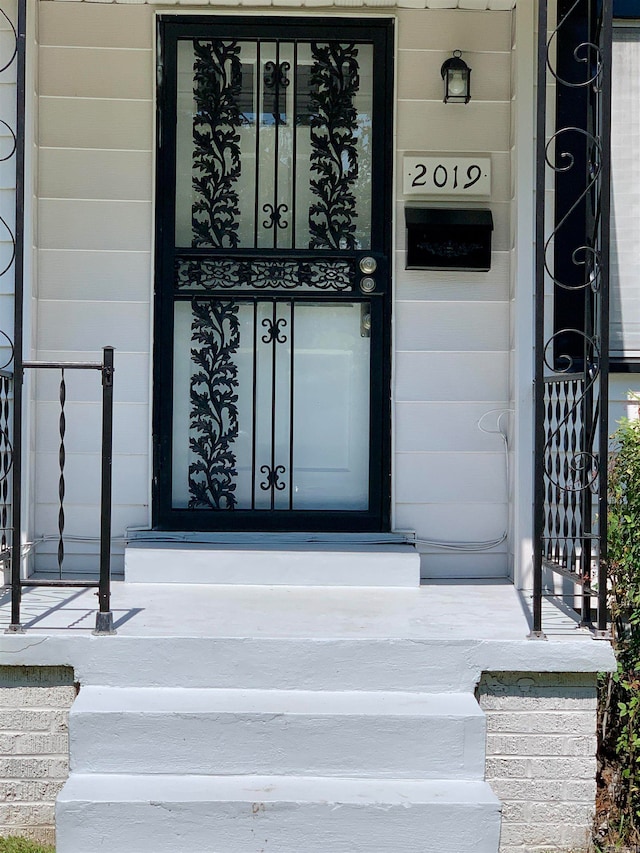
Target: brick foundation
541 757
34 747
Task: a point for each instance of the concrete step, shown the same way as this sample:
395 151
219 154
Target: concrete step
258 814
268 562
385 735
290 663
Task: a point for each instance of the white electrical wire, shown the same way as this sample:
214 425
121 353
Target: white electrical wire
448 545
486 545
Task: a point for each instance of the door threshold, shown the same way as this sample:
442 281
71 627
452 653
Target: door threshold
270 559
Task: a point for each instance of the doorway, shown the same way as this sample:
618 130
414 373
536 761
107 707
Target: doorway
272 336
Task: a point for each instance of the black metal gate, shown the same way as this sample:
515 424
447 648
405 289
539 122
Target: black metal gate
572 317
273 267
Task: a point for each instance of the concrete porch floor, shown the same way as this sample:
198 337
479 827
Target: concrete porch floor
486 622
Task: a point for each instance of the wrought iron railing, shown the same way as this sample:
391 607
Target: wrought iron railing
572 341
104 617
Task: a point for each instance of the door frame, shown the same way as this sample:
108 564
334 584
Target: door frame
377 517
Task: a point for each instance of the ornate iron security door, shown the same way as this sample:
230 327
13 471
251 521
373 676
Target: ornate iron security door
272 338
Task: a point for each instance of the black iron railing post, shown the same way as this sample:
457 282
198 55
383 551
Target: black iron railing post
16 438
104 616
605 228
572 340
539 433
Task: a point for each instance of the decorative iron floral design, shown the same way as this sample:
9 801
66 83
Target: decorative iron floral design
334 82
215 331
217 73
211 274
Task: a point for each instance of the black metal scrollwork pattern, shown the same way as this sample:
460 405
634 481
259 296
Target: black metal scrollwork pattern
273 333
276 81
586 53
275 216
586 254
217 87
334 82
572 472
215 332
6 344
273 478
228 274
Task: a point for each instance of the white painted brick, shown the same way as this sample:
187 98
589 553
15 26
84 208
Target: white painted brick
527 789
580 698
574 836
540 745
29 743
575 723
573 813
30 720
541 762
508 768
37 697
34 768
26 814
34 747
16 790
563 768
515 812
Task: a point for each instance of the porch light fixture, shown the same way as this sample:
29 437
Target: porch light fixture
457 80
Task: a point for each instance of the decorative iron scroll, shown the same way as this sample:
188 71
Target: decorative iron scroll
334 82
7 359
274 333
215 331
229 274
272 480
217 87
572 352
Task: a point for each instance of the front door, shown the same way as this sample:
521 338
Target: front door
273 290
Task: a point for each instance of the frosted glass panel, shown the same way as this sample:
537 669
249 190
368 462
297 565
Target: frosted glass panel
331 408
265 388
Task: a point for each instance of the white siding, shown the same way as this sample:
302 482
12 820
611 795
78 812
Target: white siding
451 330
624 398
95 223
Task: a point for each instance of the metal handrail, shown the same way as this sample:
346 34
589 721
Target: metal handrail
104 616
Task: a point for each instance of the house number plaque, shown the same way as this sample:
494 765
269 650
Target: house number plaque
461 176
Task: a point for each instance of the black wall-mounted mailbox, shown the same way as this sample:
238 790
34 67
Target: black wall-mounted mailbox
443 239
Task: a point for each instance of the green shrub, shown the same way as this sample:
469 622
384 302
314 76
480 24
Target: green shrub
619 748
13 844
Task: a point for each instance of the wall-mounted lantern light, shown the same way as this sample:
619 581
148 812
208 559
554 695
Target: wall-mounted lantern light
457 80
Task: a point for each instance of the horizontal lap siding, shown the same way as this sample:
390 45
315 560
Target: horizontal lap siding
95 266
452 335
624 398
95 223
